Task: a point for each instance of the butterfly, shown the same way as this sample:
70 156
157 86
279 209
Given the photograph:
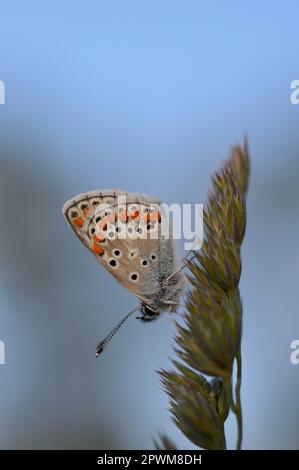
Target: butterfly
130 235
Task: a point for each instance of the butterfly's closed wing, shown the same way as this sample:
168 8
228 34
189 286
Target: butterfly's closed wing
124 232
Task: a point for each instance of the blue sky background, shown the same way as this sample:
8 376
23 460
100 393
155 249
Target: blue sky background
148 97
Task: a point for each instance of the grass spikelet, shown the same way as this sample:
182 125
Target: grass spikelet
209 340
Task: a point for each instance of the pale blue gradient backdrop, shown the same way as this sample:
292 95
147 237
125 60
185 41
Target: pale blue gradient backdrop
145 96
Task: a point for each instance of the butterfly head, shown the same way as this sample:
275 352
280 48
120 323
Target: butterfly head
148 312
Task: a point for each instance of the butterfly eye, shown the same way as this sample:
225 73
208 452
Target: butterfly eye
117 253
134 277
144 262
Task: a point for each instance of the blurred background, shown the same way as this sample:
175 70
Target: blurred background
142 96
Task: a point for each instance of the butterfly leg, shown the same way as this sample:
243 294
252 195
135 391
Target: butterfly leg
172 304
172 311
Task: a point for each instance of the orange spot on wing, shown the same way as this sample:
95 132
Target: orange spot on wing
79 222
156 216
135 215
153 217
98 238
97 249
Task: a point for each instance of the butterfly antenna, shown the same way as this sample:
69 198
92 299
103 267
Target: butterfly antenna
102 345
